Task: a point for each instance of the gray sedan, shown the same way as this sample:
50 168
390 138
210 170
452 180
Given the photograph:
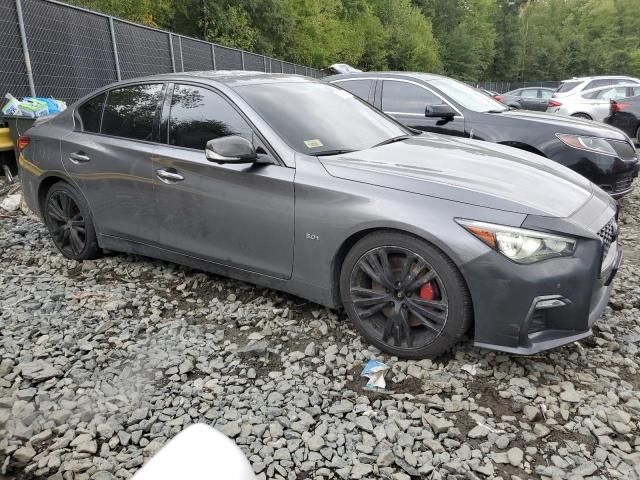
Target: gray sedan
298 185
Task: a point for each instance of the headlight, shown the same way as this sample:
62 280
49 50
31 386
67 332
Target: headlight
518 244
593 144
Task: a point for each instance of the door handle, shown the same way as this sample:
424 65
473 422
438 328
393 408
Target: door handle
168 176
79 157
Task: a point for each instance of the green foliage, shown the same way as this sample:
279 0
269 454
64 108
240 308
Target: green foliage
473 40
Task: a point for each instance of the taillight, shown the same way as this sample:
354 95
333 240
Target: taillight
498 98
618 107
554 103
23 142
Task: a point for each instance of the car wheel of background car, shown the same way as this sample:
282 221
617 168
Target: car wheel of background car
582 115
404 296
70 223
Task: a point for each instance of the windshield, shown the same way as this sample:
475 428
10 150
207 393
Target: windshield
469 97
317 118
568 86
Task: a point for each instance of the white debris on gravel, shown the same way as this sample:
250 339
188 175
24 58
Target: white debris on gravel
102 362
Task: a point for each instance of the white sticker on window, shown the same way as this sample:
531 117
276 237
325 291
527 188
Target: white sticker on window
313 143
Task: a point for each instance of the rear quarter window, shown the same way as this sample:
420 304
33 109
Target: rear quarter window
89 115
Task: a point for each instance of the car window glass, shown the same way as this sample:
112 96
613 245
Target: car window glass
599 83
635 91
89 114
611 93
568 86
357 87
530 93
331 120
545 93
403 97
199 115
130 111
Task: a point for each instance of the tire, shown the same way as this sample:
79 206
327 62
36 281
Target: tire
70 223
638 136
404 321
582 115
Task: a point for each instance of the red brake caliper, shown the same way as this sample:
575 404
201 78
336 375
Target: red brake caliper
428 291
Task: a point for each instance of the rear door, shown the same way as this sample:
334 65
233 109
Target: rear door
529 99
109 156
235 215
406 101
602 101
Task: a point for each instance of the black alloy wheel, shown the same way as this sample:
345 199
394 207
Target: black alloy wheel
405 297
69 222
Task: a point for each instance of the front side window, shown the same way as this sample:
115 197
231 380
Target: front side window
612 93
357 87
469 97
403 97
199 115
635 91
317 118
89 114
599 83
130 111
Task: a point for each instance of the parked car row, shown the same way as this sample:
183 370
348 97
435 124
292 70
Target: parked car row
433 103
349 197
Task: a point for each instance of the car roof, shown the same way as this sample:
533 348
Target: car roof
232 78
401 75
596 77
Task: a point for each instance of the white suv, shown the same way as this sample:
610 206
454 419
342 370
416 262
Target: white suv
577 85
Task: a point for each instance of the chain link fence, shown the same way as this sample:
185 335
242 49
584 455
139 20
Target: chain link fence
50 49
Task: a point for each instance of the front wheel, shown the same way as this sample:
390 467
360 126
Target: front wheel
70 223
404 295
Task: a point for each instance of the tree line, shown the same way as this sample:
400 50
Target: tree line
472 40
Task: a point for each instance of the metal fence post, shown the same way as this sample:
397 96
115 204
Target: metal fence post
242 58
173 58
213 56
181 59
115 49
264 62
25 49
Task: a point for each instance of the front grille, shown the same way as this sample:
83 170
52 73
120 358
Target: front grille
624 150
608 234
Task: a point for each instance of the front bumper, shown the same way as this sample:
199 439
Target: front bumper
525 309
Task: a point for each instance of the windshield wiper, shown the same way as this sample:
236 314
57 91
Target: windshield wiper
392 140
326 153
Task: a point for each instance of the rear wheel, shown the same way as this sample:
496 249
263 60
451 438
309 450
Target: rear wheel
404 295
582 115
70 224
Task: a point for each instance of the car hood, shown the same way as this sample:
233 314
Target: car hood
468 171
565 124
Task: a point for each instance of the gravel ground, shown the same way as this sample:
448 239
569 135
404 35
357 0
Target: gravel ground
103 362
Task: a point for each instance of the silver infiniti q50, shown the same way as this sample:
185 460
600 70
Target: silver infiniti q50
297 185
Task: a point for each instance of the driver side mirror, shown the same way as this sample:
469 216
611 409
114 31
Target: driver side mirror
440 111
231 149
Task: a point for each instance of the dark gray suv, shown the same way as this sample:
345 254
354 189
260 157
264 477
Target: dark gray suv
295 184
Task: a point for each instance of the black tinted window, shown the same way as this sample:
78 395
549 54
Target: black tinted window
130 111
402 97
199 115
89 114
357 87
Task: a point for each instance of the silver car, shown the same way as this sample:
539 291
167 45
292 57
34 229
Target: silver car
298 185
580 84
592 104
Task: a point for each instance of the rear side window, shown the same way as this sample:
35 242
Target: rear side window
131 111
600 83
530 93
612 93
402 97
568 86
359 88
89 114
635 91
546 93
199 115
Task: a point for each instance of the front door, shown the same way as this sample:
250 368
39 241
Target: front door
235 215
407 101
109 156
